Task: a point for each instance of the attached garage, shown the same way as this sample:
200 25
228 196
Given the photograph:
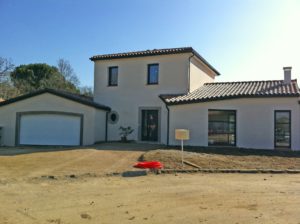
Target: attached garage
52 117
49 128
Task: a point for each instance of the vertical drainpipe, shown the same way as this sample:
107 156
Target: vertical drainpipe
168 124
189 72
106 125
168 119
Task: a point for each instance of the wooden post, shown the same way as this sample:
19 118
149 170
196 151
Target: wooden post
182 134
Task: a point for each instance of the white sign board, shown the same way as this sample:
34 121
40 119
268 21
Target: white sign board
182 134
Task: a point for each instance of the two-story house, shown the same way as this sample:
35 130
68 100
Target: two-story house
155 92
158 91
132 84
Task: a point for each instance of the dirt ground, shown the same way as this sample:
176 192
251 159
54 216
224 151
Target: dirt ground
58 186
101 159
185 198
172 160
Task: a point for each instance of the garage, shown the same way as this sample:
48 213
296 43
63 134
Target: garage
45 128
52 118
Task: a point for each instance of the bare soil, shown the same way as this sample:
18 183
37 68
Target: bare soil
39 161
184 198
172 160
58 186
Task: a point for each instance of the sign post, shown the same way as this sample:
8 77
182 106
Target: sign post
182 134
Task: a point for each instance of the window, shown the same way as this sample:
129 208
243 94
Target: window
282 129
153 74
222 127
112 76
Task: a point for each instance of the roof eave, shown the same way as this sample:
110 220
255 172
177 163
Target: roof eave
112 57
182 51
54 92
205 62
183 102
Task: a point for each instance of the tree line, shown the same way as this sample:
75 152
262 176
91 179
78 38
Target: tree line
15 81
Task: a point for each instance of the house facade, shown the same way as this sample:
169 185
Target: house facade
139 81
156 92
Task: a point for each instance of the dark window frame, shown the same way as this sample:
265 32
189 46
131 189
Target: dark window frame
235 127
110 74
148 74
290 129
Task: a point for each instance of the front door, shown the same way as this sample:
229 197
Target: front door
150 125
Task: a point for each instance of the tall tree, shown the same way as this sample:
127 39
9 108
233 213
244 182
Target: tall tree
31 77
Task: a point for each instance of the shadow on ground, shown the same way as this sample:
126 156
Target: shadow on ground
134 173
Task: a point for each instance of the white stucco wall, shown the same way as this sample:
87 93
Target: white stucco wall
50 102
99 124
255 121
199 74
133 93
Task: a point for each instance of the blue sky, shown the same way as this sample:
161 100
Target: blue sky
242 39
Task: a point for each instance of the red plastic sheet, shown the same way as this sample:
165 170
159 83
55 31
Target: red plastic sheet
149 165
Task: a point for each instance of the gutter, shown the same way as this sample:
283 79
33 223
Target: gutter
189 72
168 124
106 126
168 119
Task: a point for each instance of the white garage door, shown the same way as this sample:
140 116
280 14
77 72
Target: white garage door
49 129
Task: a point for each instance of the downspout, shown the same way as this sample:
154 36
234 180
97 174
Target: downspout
168 124
189 72
168 119
106 126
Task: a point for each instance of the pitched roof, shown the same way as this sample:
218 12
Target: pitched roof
231 90
153 52
70 96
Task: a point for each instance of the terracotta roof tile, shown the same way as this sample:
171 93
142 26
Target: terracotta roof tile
153 52
74 97
229 90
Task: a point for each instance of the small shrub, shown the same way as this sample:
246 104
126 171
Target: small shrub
124 132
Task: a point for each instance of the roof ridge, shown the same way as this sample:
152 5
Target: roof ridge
154 52
142 51
251 81
231 90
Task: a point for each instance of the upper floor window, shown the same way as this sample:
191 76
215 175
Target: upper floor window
113 76
153 70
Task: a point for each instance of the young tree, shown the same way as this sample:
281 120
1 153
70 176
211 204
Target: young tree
7 90
67 71
87 91
6 66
